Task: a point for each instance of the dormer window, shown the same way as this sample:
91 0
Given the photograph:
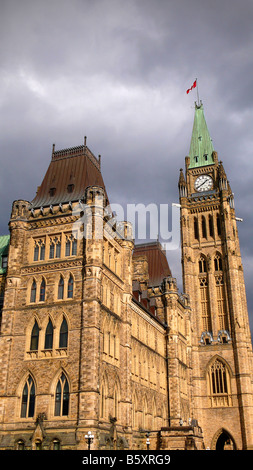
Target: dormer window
52 191
205 157
196 159
70 188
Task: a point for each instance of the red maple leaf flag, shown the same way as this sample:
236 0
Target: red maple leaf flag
193 86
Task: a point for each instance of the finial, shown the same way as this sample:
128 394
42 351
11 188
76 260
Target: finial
85 140
53 148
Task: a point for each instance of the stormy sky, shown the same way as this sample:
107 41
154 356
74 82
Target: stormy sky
117 71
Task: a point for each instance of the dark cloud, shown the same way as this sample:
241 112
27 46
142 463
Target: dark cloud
117 72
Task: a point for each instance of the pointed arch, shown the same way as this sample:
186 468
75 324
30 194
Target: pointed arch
223 440
103 408
63 335
61 402
61 288
70 291
34 341
49 334
218 375
33 291
28 398
42 290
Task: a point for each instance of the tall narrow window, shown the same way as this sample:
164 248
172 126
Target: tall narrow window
51 251
49 336
205 304
58 250
221 303
63 343
35 337
42 290
202 265
70 287
219 384
218 224
62 397
74 246
218 263
33 291
67 248
42 252
203 223
61 288
28 399
36 253
210 220
196 228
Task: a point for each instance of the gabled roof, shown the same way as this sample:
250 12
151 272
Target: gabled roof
69 173
201 142
158 267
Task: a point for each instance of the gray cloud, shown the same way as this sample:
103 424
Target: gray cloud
118 72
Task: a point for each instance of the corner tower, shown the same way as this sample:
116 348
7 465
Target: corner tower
213 278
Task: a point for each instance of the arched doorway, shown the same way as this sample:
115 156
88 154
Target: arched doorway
223 441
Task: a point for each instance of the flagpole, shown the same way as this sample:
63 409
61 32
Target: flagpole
197 90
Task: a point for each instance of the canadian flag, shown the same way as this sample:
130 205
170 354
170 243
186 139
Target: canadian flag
193 86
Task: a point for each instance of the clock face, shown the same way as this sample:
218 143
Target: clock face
203 183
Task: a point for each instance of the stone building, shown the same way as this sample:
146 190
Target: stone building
94 333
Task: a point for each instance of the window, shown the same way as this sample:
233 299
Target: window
218 224
28 399
203 223
70 287
55 247
196 228
4 261
202 265
62 397
33 291
218 263
56 444
63 343
70 245
205 304
52 191
221 303
70 188
210 220
219 384
39 250
35 337
42 290
58 250
196 159
49 336
61 288
205 157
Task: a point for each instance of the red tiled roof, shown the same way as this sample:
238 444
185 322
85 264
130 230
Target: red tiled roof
158 266
69 173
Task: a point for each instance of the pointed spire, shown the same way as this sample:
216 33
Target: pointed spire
201 148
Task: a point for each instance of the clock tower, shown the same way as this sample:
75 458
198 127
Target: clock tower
213 278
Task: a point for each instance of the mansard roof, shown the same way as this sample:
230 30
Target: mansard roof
158 267
69 173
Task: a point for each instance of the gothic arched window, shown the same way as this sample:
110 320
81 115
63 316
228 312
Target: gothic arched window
33 291
70 287
28 399
49 336
218 263
210 221
61 288
42 290
219 384
203 223
62 397
196 228
35 337
63 343
202 265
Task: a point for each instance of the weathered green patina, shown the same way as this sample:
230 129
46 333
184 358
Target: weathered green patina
201 149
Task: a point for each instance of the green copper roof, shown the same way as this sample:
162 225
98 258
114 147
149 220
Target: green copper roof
4 247
201 148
